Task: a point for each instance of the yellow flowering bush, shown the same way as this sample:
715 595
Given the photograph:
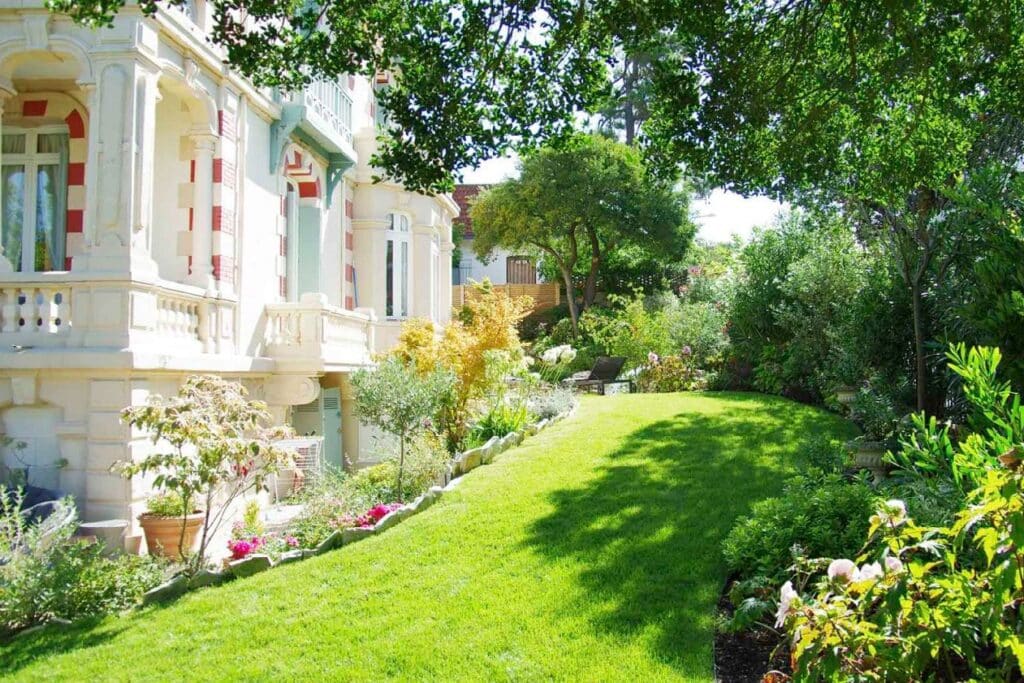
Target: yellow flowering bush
488 322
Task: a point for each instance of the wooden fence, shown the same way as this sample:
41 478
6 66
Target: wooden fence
545 294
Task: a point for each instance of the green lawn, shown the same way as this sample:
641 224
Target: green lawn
589 553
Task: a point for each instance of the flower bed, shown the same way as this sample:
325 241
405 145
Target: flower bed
253 553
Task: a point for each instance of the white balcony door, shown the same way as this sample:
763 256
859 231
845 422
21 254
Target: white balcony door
34 170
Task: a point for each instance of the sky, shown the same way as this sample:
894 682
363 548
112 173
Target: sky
721 215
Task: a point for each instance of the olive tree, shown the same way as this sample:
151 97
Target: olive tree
397 399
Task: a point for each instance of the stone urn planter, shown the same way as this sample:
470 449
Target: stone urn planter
845 394
868 455
163 534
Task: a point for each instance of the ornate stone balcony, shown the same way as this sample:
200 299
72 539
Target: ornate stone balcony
58 310
313 336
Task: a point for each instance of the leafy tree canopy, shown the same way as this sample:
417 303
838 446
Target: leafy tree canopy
578 205
857 99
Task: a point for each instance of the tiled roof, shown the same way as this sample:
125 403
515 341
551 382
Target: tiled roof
463 196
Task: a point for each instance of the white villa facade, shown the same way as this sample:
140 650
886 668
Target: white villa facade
163 217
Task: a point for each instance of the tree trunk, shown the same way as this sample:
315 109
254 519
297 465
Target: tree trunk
590 288
570 298
401 466
921 369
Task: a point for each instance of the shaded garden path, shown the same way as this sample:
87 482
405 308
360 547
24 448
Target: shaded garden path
591 552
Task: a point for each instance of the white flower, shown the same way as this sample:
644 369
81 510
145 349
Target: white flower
568 355
893 564
528 362
893 511
786 598
870 571
554 354
843 569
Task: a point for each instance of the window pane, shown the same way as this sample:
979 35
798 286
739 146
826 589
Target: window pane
389 281
51 143
13 143
49 219
14 212
404 284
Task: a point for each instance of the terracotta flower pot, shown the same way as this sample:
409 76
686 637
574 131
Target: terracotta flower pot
163 534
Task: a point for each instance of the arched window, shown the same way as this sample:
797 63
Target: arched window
396 284
34 170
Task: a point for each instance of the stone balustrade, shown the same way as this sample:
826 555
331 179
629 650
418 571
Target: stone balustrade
313 335
55 310
34 311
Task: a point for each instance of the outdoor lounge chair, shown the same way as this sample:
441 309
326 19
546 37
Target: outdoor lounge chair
605 371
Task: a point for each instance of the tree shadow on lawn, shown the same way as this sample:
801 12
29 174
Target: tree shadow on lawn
646 532
54 639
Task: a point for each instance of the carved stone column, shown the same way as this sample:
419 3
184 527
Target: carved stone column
6 92
201 275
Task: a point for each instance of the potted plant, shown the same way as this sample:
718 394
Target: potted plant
211 444
876 415
847 373
170 524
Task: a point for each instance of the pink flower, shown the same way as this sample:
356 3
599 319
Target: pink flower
843 569
291 541
870 571
240 548
893 564
687 351
652 358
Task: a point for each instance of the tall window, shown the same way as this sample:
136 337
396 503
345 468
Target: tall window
435 253
396 272
34 170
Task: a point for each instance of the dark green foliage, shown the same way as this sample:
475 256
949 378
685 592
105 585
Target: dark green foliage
819 516
824 454
792 316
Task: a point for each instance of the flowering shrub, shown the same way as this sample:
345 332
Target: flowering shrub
671 373
924 603
929 602
248 537
212 443
563 353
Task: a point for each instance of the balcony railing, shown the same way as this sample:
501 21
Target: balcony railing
328 103
48 310
313 335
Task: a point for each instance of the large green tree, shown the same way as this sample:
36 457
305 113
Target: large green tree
883 108
577 205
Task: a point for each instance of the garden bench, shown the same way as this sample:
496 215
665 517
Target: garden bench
604 373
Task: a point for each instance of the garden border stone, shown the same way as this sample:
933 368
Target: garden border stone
291 556
253 564
333 540
207 577
168 590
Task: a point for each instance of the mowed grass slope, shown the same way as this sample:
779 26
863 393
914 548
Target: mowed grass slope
592 552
